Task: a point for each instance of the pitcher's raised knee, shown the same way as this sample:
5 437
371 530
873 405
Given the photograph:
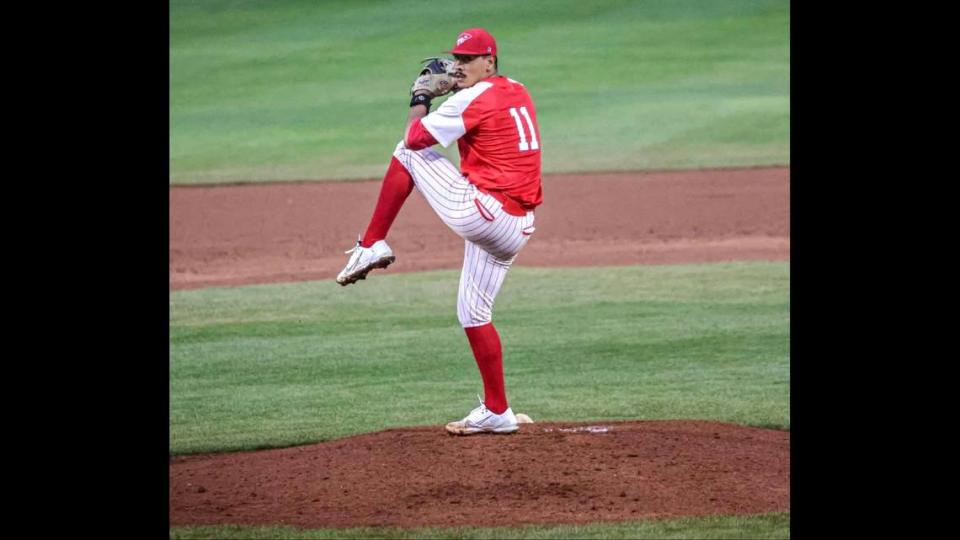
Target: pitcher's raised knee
403 153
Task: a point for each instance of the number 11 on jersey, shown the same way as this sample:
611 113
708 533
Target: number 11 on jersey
533 144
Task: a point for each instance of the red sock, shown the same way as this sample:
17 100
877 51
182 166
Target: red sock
397 185
485 343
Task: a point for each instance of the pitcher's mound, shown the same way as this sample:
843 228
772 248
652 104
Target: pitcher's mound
544 473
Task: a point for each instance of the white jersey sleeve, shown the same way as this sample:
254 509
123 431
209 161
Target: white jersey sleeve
446 123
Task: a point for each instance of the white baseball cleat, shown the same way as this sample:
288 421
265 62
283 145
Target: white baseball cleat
483 420
363 260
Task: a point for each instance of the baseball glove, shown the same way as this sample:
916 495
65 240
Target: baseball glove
436 78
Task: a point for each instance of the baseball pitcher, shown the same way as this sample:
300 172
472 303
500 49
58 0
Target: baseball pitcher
489 202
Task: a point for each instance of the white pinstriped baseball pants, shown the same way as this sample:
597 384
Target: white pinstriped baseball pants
492 237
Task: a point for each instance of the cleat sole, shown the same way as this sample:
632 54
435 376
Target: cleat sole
454 429
362 274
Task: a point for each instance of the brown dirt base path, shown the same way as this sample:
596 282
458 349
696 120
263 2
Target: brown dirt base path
545 473
236 235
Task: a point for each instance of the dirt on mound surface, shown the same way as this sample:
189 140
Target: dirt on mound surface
237 235
545 473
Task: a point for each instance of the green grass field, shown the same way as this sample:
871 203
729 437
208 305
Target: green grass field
761 526
276 365
296 90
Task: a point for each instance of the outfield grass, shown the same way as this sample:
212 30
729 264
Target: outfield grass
318 90
277 365
761 526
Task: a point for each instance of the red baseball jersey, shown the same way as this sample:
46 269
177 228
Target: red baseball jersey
495 125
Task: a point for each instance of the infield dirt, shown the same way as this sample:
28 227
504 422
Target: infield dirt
546 473
264 233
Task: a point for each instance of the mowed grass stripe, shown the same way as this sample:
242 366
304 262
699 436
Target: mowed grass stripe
759 526
278 365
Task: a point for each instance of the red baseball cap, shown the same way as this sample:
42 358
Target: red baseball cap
475 41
